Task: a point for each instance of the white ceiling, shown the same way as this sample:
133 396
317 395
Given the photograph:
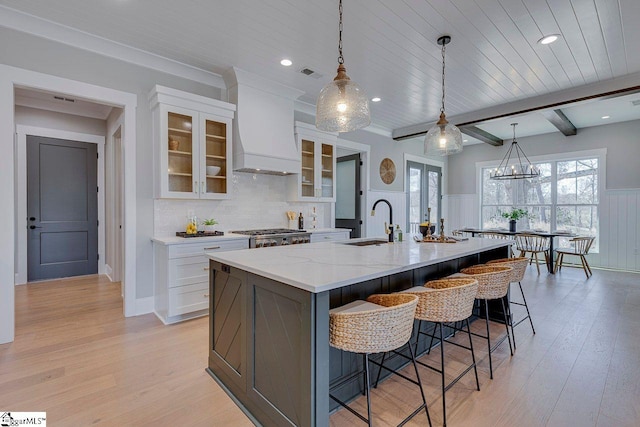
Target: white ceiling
389 47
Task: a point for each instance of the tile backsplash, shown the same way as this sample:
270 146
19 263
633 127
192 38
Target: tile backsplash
257 201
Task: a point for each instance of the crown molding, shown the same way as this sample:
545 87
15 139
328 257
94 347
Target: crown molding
23 22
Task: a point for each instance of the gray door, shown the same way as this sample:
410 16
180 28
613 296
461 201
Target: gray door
348 194
62 208
425 192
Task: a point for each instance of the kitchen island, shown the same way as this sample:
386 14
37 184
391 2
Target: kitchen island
269 315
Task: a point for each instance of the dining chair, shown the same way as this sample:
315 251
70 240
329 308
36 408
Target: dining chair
533 244
580 248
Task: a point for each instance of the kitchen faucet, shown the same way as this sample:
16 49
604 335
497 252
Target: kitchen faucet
388 230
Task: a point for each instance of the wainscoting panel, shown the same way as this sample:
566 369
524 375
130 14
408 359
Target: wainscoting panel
619 227
462 211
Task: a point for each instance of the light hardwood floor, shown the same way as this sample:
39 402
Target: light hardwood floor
77 358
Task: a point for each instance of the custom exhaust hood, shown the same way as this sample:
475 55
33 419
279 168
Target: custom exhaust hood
263 128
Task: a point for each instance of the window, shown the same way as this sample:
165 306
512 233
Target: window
564 197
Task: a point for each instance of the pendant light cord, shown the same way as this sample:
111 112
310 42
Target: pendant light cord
340 57
443 49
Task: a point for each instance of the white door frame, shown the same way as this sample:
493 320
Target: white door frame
21 185
10 78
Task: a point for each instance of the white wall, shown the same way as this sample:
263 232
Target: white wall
28 116
41 55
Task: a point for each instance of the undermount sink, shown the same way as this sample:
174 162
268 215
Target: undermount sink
376 242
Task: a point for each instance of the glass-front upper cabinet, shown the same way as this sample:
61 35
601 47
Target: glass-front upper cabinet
316 180
192 145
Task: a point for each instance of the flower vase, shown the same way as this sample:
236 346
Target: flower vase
512 225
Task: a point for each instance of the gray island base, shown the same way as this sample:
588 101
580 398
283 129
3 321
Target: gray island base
269 316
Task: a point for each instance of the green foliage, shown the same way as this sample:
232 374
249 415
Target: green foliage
209 221
515 214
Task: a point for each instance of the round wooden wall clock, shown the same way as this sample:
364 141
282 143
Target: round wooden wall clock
387 171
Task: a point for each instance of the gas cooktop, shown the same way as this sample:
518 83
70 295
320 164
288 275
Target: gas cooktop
268 231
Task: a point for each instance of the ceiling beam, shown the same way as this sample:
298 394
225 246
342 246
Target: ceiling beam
484 136
612 88
560 121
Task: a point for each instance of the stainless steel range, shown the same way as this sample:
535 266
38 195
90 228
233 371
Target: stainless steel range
275 237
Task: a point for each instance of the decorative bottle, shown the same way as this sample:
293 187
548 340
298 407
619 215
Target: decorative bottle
300 222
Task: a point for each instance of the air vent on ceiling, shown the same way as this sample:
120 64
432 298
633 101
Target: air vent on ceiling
309 72
636 102
62 98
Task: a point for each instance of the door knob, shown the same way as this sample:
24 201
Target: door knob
32 218
33 227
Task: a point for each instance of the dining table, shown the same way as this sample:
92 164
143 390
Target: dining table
550 235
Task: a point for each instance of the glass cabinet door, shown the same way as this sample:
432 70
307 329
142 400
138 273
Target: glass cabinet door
180 153
308 169
327 170
215 146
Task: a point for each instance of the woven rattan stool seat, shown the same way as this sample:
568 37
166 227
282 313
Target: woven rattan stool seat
446 300
519 266
493 281
376 330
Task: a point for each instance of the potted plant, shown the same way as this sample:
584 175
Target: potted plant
208 224
514 215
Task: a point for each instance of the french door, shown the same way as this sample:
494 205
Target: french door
424 201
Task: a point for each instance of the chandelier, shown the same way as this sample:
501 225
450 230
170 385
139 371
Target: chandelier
515 164
342 105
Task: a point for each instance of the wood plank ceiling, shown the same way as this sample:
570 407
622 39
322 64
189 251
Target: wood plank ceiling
389 45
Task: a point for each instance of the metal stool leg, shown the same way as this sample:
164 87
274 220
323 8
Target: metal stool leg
473 355
444 400
380 370
415 367
506 324
367 387
527 308
486 315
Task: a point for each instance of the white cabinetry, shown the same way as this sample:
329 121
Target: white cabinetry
181 277
192 145
316 180
328 236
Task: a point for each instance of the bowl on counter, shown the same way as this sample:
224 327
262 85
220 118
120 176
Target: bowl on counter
424 229
213 170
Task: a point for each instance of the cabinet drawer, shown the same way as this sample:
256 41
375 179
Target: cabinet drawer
191 249
187 299
327 237
188 270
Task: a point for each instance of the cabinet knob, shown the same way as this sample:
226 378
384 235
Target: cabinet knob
206 269
206 295
195 187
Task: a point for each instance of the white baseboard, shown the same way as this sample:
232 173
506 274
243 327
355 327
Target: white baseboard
144 306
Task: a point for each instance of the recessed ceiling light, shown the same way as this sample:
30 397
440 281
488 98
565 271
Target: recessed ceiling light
376 99
549 39
465 140
606 117
286 62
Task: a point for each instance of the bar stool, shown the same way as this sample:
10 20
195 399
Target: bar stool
446 301
493 284
380 324
519 266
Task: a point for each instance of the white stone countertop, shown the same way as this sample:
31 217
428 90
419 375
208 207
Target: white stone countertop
320 267
175 240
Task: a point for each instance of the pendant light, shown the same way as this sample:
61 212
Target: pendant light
342 105
443 138
515 164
